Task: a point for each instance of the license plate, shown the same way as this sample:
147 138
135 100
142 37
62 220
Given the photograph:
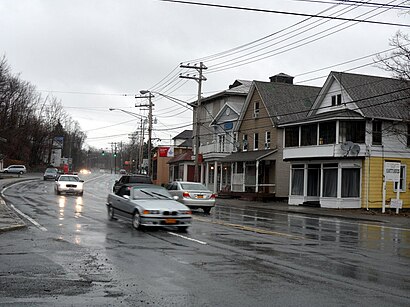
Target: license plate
170 221
199 196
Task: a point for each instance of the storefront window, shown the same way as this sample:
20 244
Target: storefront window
330 180
350 182
297 179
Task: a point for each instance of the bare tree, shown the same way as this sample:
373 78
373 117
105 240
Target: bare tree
398 61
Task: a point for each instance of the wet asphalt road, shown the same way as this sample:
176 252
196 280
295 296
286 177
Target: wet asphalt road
73 255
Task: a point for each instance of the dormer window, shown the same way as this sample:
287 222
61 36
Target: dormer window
336 100
256 109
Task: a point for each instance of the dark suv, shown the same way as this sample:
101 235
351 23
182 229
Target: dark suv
130 179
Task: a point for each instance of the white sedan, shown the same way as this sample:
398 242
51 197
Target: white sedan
69 184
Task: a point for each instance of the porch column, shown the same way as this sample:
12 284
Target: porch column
222 177
232 169
215 189
244 176
207 175
201 174
257 175
185 173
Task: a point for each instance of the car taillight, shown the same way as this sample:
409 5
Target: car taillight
212 196
186 194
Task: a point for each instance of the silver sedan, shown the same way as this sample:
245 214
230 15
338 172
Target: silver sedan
193 195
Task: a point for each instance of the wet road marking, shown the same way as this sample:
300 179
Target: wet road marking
249 228
34 222
187 238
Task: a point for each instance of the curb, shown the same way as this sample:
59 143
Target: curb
15 222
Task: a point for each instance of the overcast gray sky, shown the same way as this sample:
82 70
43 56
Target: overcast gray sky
97 54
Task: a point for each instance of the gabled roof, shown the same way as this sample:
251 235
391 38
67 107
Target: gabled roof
286 102
238 88
184 135
373 96
235 106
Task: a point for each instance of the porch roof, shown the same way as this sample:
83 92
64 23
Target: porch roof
248 155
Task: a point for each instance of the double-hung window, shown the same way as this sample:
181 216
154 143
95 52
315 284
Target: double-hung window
256 141
402 182
267 139
336 100
245 142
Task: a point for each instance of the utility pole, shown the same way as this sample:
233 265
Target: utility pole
199 79
150 105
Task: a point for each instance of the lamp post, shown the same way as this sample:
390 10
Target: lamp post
145 92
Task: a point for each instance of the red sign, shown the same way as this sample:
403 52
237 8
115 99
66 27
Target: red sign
163 151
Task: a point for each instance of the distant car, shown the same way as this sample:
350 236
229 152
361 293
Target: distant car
192 194
122 171
148 205
130 179
85 171
15 169
69 184
50 173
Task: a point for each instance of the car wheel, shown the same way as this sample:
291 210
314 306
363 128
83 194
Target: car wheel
45 179
207 210
110 211
81 193
6 172
136 220
58 192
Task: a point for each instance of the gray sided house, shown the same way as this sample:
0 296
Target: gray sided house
218 116
257 164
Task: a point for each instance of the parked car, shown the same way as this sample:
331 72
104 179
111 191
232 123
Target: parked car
122 171
50 173
148 205
15 169
69 184
130 179
193 194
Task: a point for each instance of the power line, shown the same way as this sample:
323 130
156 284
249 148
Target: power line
352 3
286 13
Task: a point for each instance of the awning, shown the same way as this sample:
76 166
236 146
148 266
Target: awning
247 156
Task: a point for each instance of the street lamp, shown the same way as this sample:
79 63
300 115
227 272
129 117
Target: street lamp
127 112
144 92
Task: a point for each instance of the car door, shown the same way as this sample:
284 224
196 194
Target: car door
122 204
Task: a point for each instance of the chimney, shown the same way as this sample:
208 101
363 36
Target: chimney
282 78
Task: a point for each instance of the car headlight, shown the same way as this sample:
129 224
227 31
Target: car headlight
150 212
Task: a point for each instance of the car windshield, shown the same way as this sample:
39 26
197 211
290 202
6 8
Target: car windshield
148 193
51 170
139 179
69 178
193 187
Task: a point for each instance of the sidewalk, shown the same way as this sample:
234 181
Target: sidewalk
9 220
389 218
